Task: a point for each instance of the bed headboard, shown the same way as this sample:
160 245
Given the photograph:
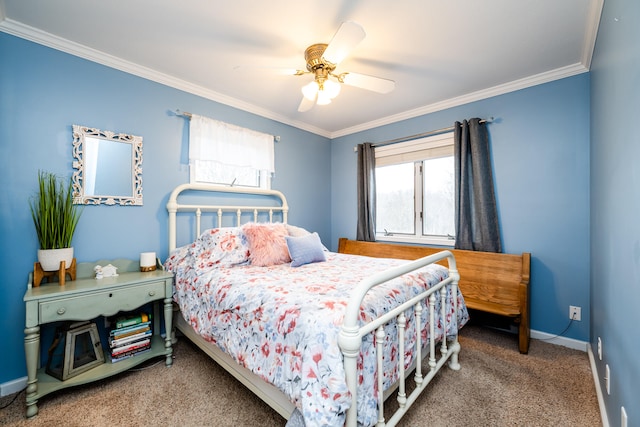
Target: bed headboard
173 207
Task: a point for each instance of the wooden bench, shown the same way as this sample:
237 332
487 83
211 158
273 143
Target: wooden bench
495 283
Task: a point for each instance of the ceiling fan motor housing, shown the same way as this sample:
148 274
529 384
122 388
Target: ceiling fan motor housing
313 56
316 64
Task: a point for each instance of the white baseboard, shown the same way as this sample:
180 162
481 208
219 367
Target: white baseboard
13 386
558 340
596 380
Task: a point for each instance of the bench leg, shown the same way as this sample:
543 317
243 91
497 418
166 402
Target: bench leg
523 336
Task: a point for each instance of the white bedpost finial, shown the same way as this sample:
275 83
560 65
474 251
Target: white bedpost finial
198 216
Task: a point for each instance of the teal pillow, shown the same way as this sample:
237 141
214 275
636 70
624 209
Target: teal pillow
305 249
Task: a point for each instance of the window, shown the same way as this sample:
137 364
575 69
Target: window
217 173
222 153
415 191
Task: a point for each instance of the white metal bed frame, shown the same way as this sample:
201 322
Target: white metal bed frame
351 334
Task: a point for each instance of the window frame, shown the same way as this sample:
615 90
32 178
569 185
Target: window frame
264 178
414 151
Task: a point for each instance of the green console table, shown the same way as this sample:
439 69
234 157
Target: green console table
88 298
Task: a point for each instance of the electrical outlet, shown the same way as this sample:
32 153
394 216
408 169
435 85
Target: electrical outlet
623 417
599 348
607 378
575 313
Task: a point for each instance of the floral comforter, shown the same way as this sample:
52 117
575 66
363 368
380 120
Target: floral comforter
282 323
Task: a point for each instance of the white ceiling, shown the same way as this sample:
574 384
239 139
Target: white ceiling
440 53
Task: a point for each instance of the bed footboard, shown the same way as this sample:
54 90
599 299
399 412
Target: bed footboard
351 335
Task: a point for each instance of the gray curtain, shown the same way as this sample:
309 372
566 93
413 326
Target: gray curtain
366 193
475 203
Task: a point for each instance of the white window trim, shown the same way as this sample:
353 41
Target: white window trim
422 240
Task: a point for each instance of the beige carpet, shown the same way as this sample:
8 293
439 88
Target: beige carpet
497 386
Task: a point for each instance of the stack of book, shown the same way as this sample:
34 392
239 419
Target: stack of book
130 336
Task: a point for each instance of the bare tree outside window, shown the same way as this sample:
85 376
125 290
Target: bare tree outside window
438 200
395 201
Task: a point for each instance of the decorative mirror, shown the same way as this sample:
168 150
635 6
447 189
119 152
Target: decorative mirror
108 167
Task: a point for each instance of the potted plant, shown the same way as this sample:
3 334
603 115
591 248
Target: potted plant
55 218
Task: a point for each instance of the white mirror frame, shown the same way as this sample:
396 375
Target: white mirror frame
80 133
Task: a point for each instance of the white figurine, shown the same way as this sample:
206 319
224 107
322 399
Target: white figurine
106 271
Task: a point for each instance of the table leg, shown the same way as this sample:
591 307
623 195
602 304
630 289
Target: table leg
32 350
168 327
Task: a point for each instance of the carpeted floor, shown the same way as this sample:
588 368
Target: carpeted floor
497 386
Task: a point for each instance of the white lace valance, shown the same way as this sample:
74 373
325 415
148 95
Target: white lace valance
227 144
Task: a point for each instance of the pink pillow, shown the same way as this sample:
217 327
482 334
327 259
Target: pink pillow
267 244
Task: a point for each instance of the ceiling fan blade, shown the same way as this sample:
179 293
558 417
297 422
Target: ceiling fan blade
363 81
305 104
344 40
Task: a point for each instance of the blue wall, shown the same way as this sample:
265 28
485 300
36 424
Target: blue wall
615 206
43 92
540 149
540 144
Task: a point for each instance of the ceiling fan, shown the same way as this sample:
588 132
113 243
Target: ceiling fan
322 60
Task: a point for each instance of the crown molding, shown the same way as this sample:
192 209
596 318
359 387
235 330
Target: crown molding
548 76
593 23
35 35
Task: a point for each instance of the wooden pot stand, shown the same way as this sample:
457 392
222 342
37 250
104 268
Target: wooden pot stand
61 273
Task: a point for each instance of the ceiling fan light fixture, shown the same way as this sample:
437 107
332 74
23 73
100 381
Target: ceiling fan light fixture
323 93
310 90
331 88
323 98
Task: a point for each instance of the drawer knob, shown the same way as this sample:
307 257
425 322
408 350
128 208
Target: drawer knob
152 293
61 310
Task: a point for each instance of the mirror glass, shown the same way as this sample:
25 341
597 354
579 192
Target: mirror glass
107 167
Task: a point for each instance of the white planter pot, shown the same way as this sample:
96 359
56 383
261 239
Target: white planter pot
50 259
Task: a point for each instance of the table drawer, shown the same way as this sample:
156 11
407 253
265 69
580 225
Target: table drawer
83 307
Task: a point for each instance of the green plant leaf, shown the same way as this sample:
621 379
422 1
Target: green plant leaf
55 217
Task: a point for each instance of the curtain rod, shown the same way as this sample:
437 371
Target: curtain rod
422 135
183 114
188 115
